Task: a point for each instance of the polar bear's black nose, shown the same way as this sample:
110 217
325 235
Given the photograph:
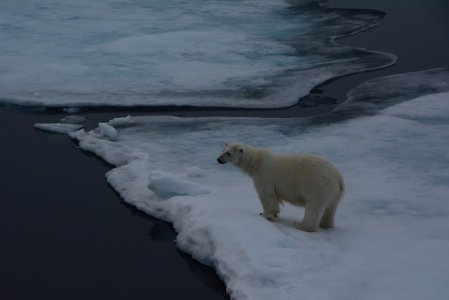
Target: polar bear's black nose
220 161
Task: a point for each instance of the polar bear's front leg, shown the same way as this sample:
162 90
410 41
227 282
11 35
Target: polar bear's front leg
268 200
270 207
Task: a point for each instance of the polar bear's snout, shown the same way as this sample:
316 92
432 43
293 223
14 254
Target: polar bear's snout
224 158
231 154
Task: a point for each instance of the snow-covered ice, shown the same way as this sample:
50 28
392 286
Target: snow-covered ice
391 239
250 53
58 127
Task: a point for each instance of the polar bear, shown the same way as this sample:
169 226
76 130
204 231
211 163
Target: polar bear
302 180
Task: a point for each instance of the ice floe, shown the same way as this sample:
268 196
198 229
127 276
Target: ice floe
254 53
74 120
58 127
391 228
121 121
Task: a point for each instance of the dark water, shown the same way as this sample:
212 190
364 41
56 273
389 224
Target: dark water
65 234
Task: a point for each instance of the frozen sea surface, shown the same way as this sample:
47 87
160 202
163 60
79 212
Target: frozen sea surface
391 238
226 53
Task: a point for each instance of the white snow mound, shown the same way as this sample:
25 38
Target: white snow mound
166 185
194 172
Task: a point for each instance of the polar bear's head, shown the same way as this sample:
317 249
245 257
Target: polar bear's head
232 153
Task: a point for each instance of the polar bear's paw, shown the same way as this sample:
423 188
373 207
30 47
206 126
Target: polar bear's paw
270 216
304 227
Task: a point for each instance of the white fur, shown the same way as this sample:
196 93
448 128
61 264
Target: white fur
302 180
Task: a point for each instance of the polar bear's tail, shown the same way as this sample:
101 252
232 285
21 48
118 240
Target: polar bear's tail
327 221
341 184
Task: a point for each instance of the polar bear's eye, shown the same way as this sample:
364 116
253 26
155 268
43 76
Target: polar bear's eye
228 154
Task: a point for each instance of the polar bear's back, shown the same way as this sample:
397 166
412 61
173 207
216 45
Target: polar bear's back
308 176
305 163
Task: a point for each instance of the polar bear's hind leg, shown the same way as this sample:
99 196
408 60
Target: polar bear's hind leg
312 217
327 221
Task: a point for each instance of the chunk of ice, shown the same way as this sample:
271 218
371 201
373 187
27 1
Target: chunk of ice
74 120
71 110
105 130
122 121
58 127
